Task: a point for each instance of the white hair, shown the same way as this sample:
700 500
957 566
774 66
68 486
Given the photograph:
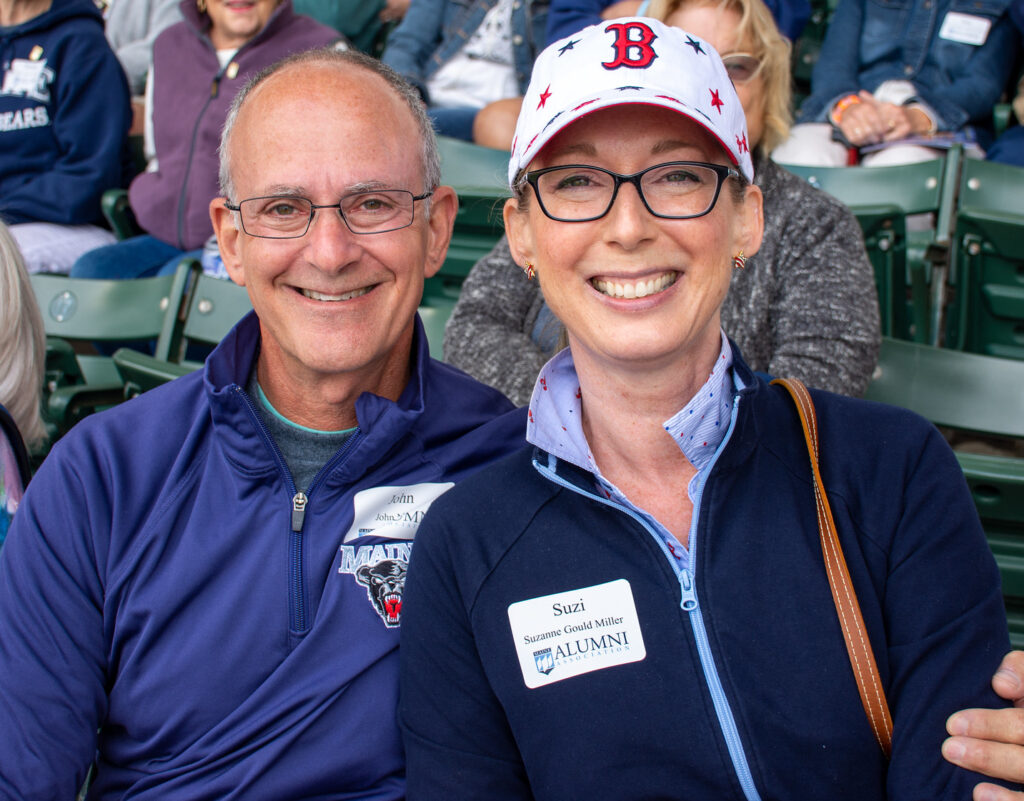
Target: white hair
22 343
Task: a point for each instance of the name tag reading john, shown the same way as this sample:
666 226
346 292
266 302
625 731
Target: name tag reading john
393 512
577 631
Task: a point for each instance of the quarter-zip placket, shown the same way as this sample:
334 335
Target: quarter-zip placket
689 604
299 502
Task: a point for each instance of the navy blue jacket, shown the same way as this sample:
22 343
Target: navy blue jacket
746 690
870 42
64 116
160 584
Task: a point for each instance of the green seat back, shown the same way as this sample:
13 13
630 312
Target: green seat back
997 486
439 296
478 175
212 308
78 314
978 394
987 315
951 388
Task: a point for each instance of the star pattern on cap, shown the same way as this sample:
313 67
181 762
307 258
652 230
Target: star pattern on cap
716 101
697 49
544 97
567 46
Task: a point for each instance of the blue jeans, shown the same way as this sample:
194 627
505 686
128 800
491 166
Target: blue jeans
455 122
1009 148
138 257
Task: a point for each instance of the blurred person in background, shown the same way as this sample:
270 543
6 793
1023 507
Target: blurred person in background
132 26
199 64
893 75
22 359
463 56
64 120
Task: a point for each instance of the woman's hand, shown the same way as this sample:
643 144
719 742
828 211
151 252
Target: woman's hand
862 122
991 741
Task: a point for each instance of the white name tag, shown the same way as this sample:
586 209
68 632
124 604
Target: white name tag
577 631
393 512
24 77
965 28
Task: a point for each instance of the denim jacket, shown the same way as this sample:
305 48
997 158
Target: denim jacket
433 31
872 41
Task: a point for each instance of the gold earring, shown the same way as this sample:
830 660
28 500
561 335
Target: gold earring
530 271
201 5
739 261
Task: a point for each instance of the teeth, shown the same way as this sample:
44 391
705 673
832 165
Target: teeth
309 293
639 289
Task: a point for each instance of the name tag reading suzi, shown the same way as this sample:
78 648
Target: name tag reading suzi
577 631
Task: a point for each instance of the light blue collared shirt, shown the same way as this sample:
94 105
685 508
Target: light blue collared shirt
555 425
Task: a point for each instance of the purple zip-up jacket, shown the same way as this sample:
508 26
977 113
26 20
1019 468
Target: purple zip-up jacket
191 97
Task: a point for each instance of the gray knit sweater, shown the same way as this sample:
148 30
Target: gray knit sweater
805 305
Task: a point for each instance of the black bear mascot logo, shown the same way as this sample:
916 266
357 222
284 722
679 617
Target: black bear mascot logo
384 582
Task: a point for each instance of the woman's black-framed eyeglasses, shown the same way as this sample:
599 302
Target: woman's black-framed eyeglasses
676 190
375 211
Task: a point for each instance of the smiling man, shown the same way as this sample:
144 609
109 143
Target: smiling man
211 576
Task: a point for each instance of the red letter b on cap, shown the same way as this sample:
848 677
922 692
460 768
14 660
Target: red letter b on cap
626 46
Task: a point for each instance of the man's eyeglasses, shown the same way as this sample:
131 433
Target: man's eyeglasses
374 211
677 190
742 67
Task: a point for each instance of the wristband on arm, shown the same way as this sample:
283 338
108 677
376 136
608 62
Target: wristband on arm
842 105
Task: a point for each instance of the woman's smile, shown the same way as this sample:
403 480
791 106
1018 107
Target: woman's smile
635 288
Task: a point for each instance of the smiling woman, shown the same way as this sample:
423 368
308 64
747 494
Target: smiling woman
636 606
805 306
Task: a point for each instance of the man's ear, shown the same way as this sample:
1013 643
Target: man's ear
444 204
751 221
520 237
228 238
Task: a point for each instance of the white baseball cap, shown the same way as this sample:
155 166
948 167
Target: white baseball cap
625 61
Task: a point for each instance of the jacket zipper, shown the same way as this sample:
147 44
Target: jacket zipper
214 91
299 502
689 604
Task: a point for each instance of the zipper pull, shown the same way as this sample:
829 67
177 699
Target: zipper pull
298 510
689 600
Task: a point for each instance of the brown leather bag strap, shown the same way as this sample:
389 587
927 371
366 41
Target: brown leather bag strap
858 646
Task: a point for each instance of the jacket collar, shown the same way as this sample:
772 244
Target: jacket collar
381 421
750 390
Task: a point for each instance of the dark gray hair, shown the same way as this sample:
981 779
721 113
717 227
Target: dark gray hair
341 59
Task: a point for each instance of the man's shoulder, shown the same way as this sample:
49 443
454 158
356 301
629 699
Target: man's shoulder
151 423
471 423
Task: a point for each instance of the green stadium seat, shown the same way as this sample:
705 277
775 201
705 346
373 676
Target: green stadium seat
979 395
479 176
212 308
439 296
78 314
909 266
987 271
119 214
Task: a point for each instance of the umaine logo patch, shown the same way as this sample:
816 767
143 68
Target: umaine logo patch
381 569
544 661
